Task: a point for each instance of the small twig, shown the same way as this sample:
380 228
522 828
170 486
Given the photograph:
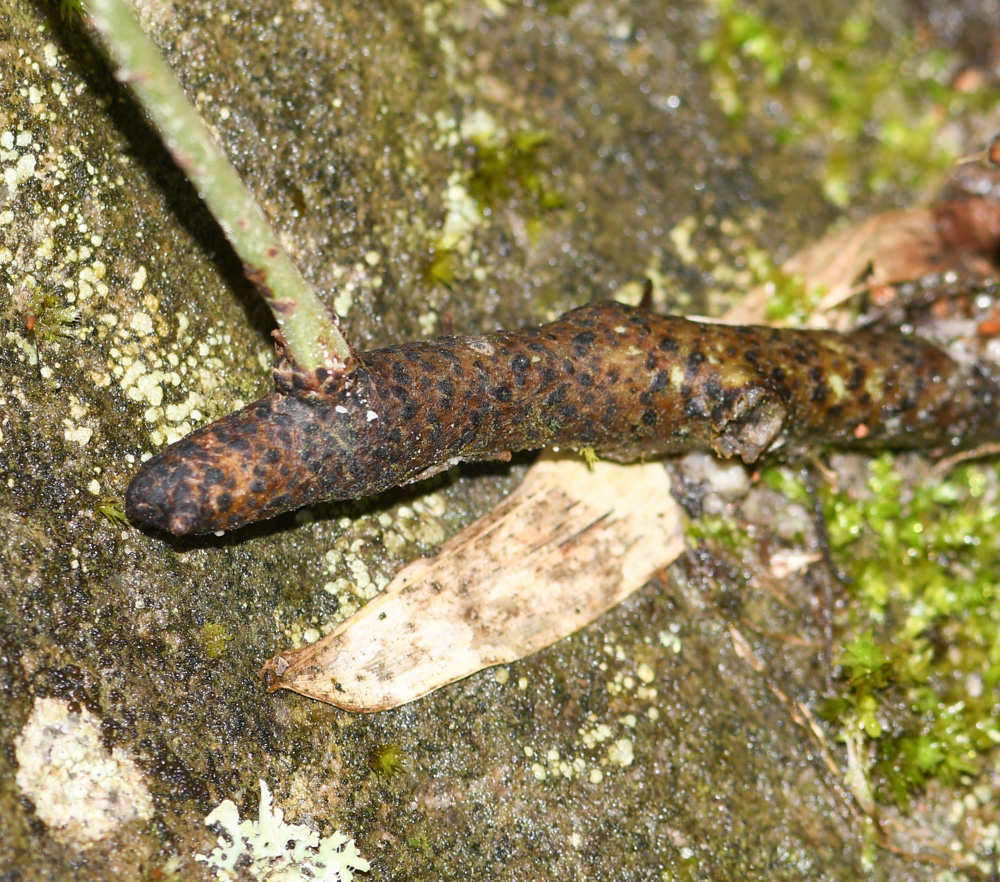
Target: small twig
944 466
311 334
831 575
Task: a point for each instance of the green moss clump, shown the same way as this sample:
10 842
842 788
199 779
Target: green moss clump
440 265
722 532
387 761
214 638
919 641
505 165
112 510
48 318
920 673
790 302
501 166
873 115
71 9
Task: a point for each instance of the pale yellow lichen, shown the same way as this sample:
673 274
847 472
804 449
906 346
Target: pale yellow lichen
81 791
270 848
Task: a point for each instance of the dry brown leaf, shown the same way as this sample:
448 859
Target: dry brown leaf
887 248
566 546
884 249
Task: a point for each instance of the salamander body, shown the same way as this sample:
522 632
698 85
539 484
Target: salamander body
623 381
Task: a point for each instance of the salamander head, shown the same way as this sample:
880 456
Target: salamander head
243 468
161 496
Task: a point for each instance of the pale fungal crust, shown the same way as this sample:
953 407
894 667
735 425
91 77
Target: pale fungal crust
566 546
270 848
81 791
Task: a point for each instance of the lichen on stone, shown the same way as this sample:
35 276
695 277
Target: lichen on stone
81 791
271 849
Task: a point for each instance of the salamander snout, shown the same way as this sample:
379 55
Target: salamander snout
163 495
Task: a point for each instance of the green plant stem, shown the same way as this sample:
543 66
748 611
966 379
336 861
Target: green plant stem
313 338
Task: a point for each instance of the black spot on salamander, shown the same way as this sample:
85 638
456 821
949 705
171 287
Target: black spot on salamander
557 395
694 361
713 390
638 318
567 413
519 364
661 382
693 408
582 342
400 393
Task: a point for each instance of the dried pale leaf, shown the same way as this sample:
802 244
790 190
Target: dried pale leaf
562 549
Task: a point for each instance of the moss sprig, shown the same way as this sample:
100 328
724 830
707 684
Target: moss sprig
919 675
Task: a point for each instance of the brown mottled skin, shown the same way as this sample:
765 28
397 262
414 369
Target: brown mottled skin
622 381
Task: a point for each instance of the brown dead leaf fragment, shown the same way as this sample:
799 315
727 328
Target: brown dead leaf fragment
570 543
967 218
960 231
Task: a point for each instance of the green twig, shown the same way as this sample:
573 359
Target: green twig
309 329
